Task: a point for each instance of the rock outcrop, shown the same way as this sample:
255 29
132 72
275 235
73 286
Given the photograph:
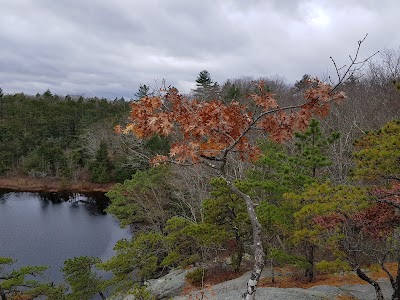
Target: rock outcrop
171 286
168 286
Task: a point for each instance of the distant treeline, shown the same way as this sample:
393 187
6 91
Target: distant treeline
72 137
65 137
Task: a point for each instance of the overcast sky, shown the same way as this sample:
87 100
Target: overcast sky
106 48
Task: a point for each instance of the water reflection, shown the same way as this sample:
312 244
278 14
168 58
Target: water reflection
97 202
48 228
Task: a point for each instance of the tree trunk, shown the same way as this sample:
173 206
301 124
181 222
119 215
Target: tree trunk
396 294
363 276
309 273
396 282
102 296
259 255
238 252
272 272
2 294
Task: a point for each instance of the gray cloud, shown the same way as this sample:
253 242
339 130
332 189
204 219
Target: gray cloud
107 48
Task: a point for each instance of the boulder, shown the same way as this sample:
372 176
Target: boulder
122 297
168 286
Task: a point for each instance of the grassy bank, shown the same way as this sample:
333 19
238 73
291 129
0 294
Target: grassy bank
28 184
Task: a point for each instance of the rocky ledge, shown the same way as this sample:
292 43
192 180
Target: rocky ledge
171 287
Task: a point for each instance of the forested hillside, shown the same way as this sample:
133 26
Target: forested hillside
248 171
311 183
69 138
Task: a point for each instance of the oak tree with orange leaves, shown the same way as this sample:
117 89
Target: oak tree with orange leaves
215 132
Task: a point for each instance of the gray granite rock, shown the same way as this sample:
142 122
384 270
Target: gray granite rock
168 286
121 297
171 286
266 294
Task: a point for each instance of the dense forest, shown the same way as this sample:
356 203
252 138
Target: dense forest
326 198
69 138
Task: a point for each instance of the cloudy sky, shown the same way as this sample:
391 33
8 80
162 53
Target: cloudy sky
108 47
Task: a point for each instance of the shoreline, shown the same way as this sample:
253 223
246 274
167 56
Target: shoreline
51 185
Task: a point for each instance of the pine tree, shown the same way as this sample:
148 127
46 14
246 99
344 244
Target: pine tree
277 173
1 103
311 149
206 89
143 91
21 280
310 157
101 168
83 279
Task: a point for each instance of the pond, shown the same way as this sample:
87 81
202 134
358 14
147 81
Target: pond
47 229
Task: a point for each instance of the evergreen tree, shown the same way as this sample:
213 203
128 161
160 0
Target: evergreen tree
47 94
278 173
15 281
143 254
311 157
101 168
378 154
83 280
302 84
206 89
224 210
1 104
143 91
311 149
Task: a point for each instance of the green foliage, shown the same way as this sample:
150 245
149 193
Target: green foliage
206 88
196 276
320 199
80 274
102 167
190 242
22 279
56 293
142 200
233 93
143 91
311 146
273 174
204 78
331 267
302 84
121 265
38 134
378 153
277 172
226 210
158 145
145 253
141 293
275 218
47 94
281 257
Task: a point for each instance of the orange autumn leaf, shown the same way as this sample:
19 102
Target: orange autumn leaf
212 130
211 148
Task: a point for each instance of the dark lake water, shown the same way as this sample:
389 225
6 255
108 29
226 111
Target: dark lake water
45 229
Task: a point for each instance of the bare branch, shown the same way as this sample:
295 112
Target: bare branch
350 71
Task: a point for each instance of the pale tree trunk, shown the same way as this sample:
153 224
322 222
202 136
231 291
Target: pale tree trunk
259 255
396 281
